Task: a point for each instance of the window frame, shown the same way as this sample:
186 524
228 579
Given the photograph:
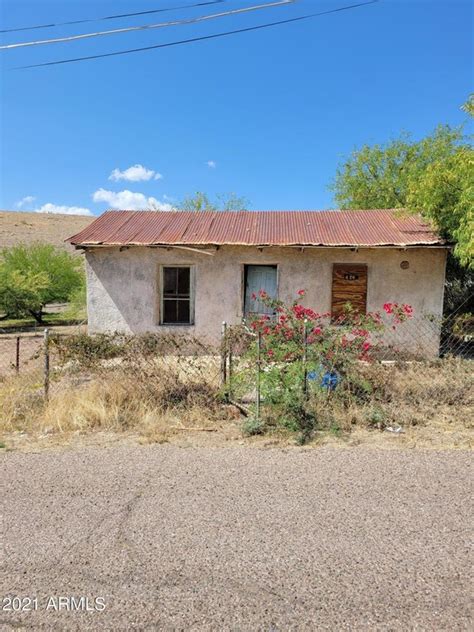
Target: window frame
243 281
191 294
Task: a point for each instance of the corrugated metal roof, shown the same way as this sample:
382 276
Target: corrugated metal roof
257 228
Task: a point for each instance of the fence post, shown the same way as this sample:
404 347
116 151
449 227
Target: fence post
224 354
305 350
46 364
229 377
259 345
17 356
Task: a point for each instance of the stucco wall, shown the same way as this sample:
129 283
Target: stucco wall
123 286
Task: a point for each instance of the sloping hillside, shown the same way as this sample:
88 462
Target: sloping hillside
18 227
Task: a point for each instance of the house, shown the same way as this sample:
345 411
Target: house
151 271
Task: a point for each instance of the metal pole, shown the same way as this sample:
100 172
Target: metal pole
17 357
46 364
259 344
229 390
305 349
223 354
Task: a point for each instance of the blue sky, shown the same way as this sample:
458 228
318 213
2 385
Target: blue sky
267 114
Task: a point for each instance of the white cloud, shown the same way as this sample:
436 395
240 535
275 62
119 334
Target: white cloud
212 164
135 173
26 201
129 200
66 210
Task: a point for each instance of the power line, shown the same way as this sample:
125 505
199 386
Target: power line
111 17
195 39
145 27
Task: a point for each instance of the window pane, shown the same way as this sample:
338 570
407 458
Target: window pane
183 311
183 281
176 311
170 280
170 311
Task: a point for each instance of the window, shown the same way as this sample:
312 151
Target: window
176 296
256 278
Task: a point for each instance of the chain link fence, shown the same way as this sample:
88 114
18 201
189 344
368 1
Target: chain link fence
77 382
421 366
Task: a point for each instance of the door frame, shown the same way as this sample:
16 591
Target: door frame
352 265
242 280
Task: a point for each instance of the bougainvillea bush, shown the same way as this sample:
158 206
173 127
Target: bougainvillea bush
308 360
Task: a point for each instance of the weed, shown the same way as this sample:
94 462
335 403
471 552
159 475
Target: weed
253 426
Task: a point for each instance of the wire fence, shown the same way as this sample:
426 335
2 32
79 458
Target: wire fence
241 369
418 339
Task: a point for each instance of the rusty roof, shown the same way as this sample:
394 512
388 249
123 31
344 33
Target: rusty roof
257 228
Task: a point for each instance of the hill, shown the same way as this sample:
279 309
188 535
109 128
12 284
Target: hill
21 227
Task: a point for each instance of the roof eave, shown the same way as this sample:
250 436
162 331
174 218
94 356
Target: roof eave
437 244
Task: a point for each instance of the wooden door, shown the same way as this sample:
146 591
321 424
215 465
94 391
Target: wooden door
349 285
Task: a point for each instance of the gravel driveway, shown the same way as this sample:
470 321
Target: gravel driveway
237 539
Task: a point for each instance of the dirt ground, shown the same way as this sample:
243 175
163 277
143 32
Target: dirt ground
53 228
166 538
31 345
228 433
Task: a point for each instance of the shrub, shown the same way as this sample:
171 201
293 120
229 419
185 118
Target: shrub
253 426
307 360
31 276
85 350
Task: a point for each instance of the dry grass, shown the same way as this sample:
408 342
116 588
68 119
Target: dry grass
432 402
428 402
115 402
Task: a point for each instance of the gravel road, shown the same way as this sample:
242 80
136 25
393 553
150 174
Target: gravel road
237 539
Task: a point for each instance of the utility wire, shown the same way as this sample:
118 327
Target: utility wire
145 27
195 39
110 17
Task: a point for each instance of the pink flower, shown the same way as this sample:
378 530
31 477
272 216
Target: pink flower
317 331
309 313
388 307
366 346
299 311
270 353
301 292
408 309
254 296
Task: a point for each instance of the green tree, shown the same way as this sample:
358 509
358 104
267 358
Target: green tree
444 193
468 107
202 202
20 293
380 176
433 177
31 276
